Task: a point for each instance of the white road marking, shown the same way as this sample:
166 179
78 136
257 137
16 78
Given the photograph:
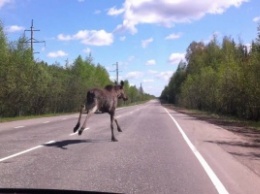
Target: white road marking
213 177
77 132
19 127
49 142
20 153
40 146
25 151
33 148
129 113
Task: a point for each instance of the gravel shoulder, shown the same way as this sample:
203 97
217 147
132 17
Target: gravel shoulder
242 143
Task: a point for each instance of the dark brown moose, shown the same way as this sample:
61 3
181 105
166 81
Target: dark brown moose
104 100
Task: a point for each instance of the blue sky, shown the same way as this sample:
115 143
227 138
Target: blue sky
147 38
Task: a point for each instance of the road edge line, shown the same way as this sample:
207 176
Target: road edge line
213 177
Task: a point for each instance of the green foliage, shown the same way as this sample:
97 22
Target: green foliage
222 78
134 94
28 87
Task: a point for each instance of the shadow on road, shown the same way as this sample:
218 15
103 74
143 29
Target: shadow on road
250 155
250 148
236 143
62 144
65 143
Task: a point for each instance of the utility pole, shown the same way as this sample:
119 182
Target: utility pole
117 72
32 40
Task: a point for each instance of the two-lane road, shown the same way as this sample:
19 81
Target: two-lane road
157 152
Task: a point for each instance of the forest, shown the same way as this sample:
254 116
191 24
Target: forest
221 77
30 87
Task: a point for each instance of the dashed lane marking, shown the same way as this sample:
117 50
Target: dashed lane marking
19 127
25 151
77 132
42 145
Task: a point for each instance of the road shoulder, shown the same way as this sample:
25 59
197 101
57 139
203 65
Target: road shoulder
231 150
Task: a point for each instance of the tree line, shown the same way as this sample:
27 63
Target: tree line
29 87
220 77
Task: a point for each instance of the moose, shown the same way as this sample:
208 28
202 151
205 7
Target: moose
104 100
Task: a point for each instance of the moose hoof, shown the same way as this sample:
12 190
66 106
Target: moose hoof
76 127
114 139
80 131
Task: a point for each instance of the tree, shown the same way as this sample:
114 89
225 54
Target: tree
195 57
222 78
29 87
4 58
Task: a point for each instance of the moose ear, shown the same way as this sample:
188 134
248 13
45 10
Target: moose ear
122 84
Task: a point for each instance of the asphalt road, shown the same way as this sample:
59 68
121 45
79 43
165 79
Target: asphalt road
159 151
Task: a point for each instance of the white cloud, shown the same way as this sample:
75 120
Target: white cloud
87 50
169 12
90 37
96 12
175 58
153 72
148 80
43 49
4 2
63 37
248 46
56 54
146 42
151 62
165 75
256 19
114 11
14 28
127 61
98 38
173 36
134 75
131 58
122 38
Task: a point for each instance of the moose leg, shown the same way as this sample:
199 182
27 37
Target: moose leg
90 112
118 127
78 123
112 127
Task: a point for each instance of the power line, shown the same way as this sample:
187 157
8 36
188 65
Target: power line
31 40
117 72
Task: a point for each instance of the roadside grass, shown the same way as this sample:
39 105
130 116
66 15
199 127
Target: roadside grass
224 120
